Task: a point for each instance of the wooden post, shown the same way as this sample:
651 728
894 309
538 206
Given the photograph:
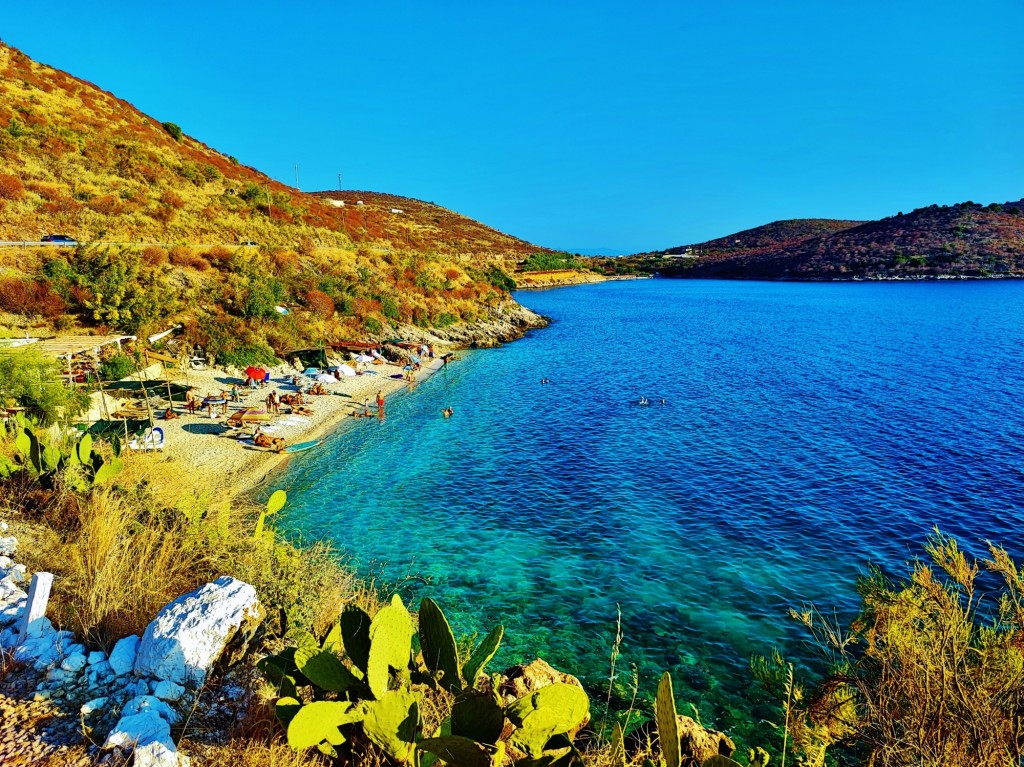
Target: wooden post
35 609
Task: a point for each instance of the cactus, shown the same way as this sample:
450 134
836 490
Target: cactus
552 710
478 716
324 669
438 645
390 645
275 503
464 752
355 635
317 723
392 722
482 655
668 724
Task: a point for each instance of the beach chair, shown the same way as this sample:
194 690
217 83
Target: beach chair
151 439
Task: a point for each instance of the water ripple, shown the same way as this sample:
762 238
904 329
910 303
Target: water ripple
807 430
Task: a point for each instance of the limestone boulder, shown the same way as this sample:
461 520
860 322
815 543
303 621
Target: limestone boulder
189 635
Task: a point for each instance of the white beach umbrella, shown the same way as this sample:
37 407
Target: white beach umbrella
364 358
326 378
346 370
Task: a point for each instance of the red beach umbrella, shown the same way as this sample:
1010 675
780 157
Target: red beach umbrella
256 374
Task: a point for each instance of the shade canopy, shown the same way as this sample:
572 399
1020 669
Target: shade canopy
256 374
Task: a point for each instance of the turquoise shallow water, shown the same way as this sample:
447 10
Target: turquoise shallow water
808 429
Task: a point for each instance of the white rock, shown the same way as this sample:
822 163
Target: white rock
95 704
169 691
8 638
122 657
59 676
3 527
188 636
74 662
10 614
19 574
142 728
157 754
6 563
96 657
8 546
144 703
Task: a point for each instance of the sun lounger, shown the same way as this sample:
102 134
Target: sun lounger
151 439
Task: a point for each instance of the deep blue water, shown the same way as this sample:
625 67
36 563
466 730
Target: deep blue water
807 430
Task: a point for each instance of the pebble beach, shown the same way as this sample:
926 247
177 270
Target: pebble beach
201 451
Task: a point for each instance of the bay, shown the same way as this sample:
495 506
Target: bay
807 430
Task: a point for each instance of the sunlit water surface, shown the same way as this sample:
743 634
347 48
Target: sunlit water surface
808 429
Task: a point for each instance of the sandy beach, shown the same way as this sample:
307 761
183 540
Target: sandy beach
201 452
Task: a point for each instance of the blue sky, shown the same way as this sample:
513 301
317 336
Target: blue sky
628 126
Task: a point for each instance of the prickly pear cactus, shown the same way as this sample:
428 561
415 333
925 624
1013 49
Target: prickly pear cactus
355 635
275 503
390 645
438 645
665 718
317 724
392 722
483 655
539 716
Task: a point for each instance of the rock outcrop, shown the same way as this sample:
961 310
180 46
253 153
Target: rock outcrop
188 636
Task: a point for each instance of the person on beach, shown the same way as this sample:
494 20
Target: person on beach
430 351
191 404
270 402
234 393
380 401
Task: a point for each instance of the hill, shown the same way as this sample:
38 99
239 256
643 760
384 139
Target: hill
964 240
77 160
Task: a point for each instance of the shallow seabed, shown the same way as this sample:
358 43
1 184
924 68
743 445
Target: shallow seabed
807 430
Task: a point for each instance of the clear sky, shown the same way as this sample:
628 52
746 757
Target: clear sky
622 125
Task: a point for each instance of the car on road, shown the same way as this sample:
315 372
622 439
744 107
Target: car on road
59 239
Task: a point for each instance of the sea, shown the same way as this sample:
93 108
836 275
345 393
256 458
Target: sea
795 433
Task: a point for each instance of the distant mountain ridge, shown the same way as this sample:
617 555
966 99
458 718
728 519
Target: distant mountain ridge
965 240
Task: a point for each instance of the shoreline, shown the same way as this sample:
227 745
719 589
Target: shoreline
200 458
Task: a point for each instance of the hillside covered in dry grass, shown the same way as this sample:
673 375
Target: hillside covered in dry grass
964 240
77 160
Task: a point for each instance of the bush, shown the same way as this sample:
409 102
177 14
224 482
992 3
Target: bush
445 319
117 367
927 674
186 257
174 131
172 199
30 298
154 255
32 381
500 280
320 303
247 355
11 188
219 256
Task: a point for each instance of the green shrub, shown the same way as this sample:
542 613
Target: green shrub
30 380
445 319
117 367
247 355
550 262
174 131
500 280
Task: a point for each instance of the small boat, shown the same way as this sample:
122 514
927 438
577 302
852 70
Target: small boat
300 446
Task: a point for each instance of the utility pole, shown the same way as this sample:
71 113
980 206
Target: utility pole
270 211
339 182
296 176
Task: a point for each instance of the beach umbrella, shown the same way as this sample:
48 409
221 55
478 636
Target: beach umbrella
364 358
326 378
255 373
346 370
414 358
310 371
